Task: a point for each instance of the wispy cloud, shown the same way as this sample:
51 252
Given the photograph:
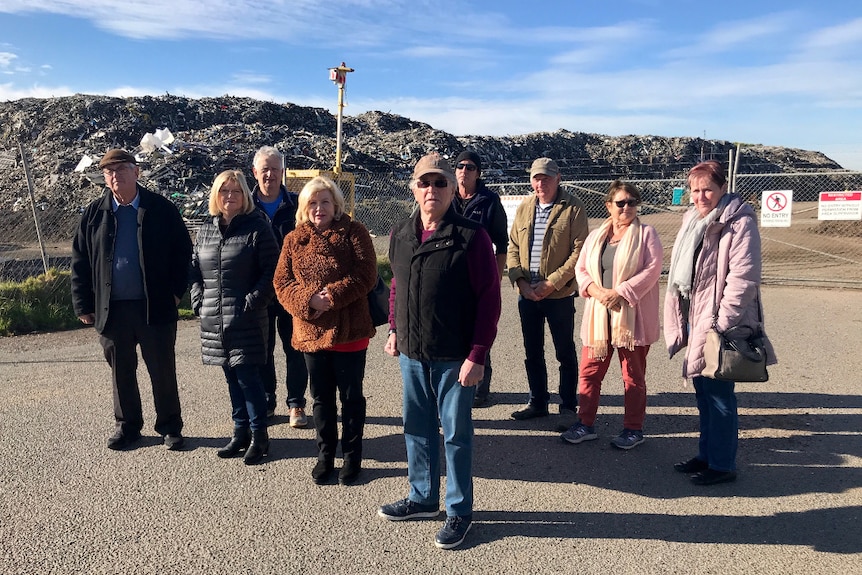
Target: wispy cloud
6 59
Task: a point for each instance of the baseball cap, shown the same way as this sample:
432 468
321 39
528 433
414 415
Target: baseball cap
433 163
545 166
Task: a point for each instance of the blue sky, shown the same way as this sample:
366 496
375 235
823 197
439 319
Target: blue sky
783 73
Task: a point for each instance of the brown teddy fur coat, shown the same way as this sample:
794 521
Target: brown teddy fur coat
341 259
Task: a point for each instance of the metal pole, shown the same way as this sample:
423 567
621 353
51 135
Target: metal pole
339 76
33 206
337 168
735 169
730 170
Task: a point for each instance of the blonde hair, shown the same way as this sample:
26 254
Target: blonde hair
221 180
314 187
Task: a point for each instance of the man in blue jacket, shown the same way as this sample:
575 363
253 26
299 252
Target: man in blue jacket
130 263
272 197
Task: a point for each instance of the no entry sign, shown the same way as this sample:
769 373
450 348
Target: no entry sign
775 208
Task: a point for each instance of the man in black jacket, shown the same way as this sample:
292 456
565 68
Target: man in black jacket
272 197
476 202
130 262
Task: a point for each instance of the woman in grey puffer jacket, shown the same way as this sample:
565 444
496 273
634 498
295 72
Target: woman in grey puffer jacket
233 263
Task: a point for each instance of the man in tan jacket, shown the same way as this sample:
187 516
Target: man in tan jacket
549 229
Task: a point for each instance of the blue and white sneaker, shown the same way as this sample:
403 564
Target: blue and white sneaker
628 439
453 532
579 433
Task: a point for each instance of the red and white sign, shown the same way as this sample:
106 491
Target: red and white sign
840 206
775 206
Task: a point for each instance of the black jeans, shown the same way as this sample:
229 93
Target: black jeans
297 374
560 316
343 371
127 329
484 387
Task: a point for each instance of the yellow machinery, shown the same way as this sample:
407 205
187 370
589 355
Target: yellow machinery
294 180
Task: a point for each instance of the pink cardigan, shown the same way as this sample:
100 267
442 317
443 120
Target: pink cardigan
640 290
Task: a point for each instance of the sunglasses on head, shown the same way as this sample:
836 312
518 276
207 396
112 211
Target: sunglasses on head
468 167
435 183
631 202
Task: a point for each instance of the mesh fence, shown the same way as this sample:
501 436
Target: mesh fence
809 251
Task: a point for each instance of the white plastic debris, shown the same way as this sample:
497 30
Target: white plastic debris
157 140
85 163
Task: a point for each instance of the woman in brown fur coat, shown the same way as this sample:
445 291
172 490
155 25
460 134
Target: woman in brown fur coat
326 269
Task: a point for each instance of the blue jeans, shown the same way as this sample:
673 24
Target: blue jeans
719 422
431 394
247 397
560 315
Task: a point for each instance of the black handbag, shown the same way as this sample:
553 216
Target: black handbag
734 359
378 302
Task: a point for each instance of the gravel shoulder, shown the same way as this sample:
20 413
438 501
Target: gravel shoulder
69 505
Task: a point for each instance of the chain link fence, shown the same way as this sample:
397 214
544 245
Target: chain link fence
808 252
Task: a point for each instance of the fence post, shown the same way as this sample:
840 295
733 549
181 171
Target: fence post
33 206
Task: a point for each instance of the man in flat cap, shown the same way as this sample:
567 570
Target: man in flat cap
130 262
476 202
547 233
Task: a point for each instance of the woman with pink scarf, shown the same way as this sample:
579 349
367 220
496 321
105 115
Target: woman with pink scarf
617 273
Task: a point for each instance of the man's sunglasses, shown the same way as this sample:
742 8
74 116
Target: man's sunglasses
631 202
468 167
435 183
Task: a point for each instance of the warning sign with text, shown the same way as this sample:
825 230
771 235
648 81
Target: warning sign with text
840 206
775 208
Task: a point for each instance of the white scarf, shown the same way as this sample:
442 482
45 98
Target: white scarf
682 261
626 263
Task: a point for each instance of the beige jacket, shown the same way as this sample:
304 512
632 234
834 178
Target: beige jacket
566 232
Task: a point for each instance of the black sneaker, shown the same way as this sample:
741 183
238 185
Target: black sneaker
406 509
711 477
174 441
123 440
453 532
529 412
482 401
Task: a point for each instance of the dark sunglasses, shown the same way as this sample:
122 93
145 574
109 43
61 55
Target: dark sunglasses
435 183
631 202
468 167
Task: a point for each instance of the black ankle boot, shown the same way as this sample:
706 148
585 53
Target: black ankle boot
258 448
322 471
350 471
238 443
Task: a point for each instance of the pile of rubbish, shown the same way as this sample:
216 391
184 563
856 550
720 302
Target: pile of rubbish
183 143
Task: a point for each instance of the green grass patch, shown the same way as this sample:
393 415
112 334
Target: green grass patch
41 303
44 303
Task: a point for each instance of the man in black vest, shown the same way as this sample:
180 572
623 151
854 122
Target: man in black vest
130 263
442 333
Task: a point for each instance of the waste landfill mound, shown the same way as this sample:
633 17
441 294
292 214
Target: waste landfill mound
214 134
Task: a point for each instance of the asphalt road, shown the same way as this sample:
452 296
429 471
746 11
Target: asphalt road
70 505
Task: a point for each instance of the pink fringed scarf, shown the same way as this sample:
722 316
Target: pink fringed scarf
626 262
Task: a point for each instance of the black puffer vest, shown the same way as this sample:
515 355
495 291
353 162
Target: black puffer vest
435 308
